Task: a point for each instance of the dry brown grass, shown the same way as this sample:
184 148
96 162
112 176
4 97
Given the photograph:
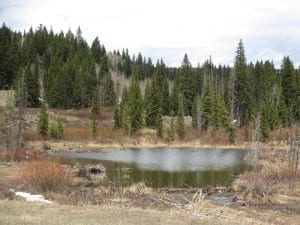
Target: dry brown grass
139 188
44 175
262 186
20 154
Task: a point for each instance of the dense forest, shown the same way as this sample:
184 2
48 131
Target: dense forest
64 71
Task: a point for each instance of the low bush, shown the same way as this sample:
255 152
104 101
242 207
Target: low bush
263 185
20 154
44 175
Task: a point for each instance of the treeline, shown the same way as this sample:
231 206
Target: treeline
63 70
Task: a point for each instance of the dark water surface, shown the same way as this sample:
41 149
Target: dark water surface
165 167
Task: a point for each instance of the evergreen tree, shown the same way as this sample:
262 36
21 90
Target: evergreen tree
108 94
95 110
171 130
117 117
187 84
32 86
196 113
96 50
43 120
220 116
174 98
153 103
60 129
243 101
135 104
264 124
206 107
94 126
126 118
288 84
53 130
180 118
96 102
159 122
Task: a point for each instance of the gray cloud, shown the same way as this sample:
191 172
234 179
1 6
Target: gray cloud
269 28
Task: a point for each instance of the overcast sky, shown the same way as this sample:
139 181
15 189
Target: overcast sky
270 29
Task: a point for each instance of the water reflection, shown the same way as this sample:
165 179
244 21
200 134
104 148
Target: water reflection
170 167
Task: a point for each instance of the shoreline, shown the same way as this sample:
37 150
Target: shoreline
93 146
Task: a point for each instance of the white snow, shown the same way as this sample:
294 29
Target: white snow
32 198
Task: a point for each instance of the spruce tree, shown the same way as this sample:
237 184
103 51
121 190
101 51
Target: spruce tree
187 84
95 110
117 117
220 116
96 102
264 124
135 104
43 120
206 107
159 122
288 84
180 118
94 126
126 118
243 101
171 130
60 129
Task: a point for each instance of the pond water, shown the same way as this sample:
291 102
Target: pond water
176 167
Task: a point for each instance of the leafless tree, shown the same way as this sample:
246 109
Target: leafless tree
7 117
294 151
21 99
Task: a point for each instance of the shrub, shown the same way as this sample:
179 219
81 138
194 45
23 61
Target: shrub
15 154
53 130
57 130
44 175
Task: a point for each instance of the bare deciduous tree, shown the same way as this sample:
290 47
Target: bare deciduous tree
294 151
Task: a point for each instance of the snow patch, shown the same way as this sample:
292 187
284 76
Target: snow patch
32 198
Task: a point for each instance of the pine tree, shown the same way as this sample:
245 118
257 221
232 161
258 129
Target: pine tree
43 120
180 118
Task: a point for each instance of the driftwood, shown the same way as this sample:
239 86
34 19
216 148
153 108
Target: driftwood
203 190
193 206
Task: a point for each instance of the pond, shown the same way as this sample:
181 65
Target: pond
165 167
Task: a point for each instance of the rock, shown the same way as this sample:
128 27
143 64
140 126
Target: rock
46 146
96 169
